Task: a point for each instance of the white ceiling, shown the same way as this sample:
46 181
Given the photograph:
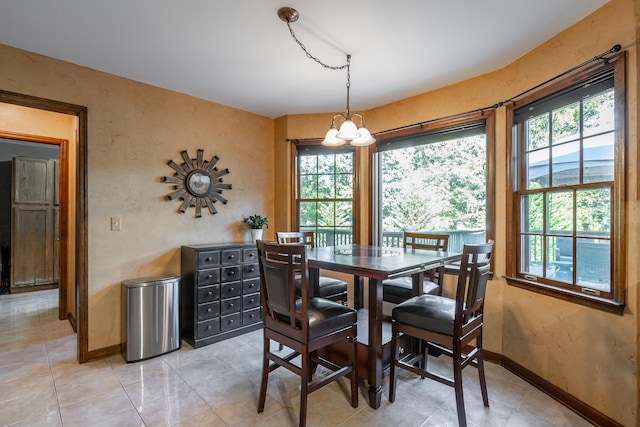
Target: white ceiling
239 53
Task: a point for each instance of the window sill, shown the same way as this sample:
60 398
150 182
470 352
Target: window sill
591 301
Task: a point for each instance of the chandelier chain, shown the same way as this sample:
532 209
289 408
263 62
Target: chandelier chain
310 56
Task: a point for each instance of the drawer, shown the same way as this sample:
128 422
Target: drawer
229 322
230 274
230 290
230 256
250 255
208 277
208 327
231 305
251 316
250 286
250 301
208 311
208 293
250 271
208 259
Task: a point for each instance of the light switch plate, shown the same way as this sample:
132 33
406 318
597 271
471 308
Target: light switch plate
116 223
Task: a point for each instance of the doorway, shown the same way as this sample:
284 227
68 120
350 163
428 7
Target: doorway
78 200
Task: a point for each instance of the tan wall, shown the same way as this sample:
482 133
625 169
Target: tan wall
588 353
134 129
29 121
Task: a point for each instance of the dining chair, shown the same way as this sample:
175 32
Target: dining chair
328 287
400 289
446 325
303 324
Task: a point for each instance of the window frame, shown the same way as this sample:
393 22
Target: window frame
317 145
431 127
616 303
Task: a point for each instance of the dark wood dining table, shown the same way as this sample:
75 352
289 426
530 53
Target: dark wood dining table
377 264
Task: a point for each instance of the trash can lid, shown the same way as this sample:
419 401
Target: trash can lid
149 281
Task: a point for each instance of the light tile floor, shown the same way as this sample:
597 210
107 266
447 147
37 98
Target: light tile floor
41 384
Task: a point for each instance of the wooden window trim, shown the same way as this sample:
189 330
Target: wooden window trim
618 245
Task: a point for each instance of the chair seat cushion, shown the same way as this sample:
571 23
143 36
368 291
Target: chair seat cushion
429 312
327 286
400 289
327 316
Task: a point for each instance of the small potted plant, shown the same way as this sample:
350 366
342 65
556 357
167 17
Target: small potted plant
256 223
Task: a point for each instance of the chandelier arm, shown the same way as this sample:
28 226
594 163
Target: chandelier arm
309 55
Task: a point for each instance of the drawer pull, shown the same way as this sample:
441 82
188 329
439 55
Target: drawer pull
251 270
208 259
229 290
232 256
251 316
251 286
208 310
209 327
252 255
251 300
209 276
210 293
230 305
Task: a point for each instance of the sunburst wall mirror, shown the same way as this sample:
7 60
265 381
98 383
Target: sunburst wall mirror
197 182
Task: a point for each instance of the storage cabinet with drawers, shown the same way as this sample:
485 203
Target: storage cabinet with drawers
220 292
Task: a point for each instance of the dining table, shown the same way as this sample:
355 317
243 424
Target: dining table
376 263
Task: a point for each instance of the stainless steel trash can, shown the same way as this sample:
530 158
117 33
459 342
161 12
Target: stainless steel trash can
150 317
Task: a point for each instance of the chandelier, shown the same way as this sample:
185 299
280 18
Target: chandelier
348 130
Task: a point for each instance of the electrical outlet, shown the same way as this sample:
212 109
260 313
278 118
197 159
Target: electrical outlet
116 223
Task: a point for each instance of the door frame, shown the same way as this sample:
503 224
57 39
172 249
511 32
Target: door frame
82 241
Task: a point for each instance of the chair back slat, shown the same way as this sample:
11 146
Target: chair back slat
473 278
427 241
280 267
306 237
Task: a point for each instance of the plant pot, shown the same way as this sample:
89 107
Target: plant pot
256 233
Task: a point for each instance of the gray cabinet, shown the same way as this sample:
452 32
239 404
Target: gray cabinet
220 292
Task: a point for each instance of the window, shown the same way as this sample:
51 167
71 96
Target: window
568 180
435 181
325 193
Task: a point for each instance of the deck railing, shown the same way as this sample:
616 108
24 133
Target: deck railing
457 238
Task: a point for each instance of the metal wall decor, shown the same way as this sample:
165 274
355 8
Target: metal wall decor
197 182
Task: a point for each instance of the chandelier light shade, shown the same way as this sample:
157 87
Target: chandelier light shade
353 132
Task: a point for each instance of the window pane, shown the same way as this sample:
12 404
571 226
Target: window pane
440 186
532 255
538 132
308 164
344 186
593 212
598 158
326 163
344 214
538 169
307 214
566 123
532 213
598 113
344 163
560 258
565 164
326 214
560 212
593 266
326 186
308 186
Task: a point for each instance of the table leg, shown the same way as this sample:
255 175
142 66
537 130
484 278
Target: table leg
374 349
358 287
416 282
314 281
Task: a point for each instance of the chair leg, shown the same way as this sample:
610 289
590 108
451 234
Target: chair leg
265 374
394 357
304 384
483 381
457 384
354 368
